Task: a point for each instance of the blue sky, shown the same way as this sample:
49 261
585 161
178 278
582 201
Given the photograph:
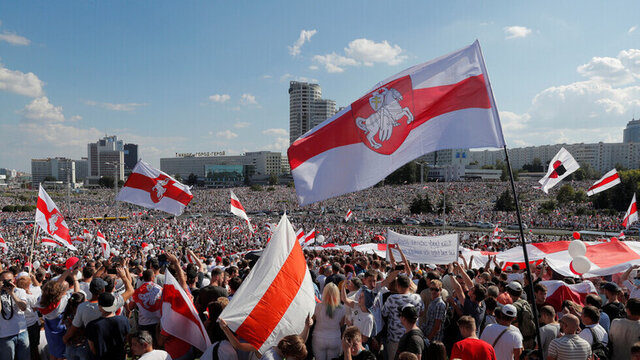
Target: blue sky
210 76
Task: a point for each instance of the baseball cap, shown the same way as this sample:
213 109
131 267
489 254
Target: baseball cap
410 312
97 285
107 302
611 287
515 286
509 310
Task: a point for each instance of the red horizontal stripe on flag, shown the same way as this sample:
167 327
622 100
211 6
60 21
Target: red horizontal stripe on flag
428 103
145 183
172 296
605 181
268 312
610 253
236 204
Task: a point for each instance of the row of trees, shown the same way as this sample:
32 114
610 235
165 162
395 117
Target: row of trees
422 205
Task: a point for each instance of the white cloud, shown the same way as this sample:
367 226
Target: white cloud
40 110
631 61
305 36
287 77
248 99
369 52
632 29
279 144
267 76
115 107
513 32
17 82
241 124
219 98
14 39
361 52
227 134
313 67
606 69
275 132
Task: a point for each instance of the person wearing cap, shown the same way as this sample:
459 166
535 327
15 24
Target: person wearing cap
413 340
471 348
570 346
14 340
624 332
106 335
613 308
524 319
505 338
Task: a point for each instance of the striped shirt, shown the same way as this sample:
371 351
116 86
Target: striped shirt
569 347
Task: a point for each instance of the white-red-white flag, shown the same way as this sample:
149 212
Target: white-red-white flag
561 166
50 220
496 232
608 181
104 245
150 232
76 240
179 316
632 213
300 236
310 238
238 210
277 295
348 216
51 243
445 103
3 245
155 189
235 229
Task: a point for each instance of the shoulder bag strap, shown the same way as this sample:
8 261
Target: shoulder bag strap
498 338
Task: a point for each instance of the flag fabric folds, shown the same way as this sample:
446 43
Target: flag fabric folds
632 213
300 236
179 316
277 295
104 245
561 166
238 210
348 216
154 189
3 245
309 238
445 103
50 220
608 181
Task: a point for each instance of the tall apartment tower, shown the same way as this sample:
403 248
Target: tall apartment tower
130 157
307 108
632 132
106 158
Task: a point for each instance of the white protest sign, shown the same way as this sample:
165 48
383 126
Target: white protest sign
426 249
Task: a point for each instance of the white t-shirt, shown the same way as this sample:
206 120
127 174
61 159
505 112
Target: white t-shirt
17 323
363 321
30 315
510 340
225 351
156 355
634 291
600 332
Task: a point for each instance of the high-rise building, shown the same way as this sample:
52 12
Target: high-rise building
307 108
632 132
130 157
60 169
105 158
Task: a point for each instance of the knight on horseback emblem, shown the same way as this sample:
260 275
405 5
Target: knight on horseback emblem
388 112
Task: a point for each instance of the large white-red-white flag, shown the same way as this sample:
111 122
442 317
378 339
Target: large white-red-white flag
155 189
179 316
632 213
561 166
277 295
50 220
238 210
608 181
104 245
445 103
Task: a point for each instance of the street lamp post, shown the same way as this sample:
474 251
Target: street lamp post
115 182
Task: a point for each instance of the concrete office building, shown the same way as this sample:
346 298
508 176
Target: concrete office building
62 169
259 163
130 157
307 108
105 158
631 133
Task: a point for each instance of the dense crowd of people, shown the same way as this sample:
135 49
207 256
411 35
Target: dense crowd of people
59 304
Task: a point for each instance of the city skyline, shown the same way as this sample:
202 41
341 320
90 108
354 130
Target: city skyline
214 77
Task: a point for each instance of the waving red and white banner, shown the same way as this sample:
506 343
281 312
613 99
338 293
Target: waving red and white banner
51 243
179 316
608 181
277 295
3 245
238 210
559 291
150 232
300 236
310 238
50 220
348 216
104 245
155 189
445 103
632 213
561 166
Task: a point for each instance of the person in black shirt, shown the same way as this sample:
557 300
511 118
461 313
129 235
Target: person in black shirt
413 339
613 307
107 334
